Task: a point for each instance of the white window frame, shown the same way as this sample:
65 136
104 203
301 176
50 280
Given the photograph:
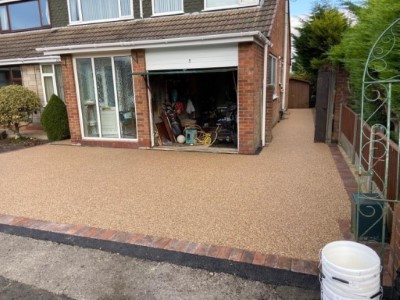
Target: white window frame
167 13
272 79
100 138
256 2
100 20
53 77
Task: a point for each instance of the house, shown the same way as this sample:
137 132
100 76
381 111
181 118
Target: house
136 73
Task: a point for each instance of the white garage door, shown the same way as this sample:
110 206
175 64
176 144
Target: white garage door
194 57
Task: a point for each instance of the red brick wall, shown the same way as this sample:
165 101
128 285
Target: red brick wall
70 98
342 96
269 116
250 77
141 98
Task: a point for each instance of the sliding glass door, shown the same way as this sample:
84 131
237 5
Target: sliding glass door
106 96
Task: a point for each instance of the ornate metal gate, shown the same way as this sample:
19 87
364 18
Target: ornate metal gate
380 87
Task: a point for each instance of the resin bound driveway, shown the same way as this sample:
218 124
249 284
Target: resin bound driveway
287 201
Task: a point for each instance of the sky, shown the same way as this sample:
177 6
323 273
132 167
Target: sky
301 8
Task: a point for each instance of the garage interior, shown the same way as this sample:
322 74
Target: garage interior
195 110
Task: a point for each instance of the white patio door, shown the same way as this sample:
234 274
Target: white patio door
106 94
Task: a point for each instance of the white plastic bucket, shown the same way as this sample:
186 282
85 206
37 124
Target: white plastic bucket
363 286
349 270
332 292
329 271
350 258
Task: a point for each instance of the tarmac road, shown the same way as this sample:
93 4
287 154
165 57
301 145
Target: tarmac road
33 269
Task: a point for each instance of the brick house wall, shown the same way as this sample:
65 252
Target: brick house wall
269 116
70 98
250 83
31 79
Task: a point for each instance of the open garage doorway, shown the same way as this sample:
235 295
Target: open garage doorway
195 110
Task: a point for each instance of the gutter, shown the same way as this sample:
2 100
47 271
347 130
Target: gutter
30 60
264 97
141 8
159 43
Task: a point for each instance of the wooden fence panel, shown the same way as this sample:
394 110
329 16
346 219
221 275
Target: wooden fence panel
348 118
347 129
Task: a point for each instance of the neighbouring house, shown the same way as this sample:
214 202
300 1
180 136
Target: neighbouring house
137 73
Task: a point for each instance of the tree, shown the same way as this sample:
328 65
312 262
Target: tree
17 104
54 119
322 30
373 17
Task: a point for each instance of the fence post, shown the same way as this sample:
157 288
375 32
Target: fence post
353 146
340 123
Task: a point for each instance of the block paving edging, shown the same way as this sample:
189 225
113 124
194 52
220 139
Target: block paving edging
219 252
196 250
350 185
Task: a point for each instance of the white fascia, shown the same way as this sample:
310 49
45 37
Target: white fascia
160 43
30 60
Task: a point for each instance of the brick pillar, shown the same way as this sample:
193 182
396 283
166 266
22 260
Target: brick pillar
250 77
269 115
342 94
141 98
71 100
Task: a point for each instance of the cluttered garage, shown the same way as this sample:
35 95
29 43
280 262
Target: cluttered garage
194 108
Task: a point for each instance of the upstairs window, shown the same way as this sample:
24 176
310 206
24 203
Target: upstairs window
99 10
166 7
18 16
216 4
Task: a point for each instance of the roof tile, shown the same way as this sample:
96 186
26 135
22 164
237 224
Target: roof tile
24 44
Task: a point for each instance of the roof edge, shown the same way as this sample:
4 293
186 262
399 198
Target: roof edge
30 60
159 43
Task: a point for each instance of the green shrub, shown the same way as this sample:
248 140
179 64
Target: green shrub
55 119
17 105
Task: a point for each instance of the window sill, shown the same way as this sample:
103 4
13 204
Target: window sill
275 97
100 21
167 14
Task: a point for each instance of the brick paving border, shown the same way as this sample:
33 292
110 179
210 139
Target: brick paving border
248 264
350 185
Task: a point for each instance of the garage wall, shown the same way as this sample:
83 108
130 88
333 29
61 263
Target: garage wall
250 80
